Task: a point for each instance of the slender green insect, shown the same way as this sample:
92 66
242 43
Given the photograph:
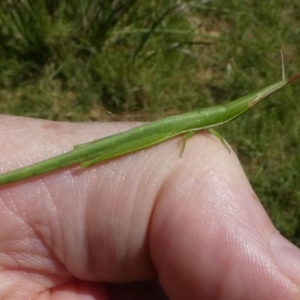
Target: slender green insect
147 135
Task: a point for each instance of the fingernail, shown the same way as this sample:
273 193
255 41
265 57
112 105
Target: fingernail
287 256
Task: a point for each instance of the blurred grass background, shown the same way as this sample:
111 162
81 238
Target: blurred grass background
143 60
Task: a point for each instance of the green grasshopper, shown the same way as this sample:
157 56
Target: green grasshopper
148 135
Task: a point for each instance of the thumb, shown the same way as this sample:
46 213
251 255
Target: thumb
212 239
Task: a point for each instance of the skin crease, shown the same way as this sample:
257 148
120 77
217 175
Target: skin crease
115 230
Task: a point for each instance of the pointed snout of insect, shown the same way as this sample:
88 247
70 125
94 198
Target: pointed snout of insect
293 78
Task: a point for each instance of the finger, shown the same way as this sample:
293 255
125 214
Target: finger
211 238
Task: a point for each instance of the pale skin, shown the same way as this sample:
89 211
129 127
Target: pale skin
197 228
193 223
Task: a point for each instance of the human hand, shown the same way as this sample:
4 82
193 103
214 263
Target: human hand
193 223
